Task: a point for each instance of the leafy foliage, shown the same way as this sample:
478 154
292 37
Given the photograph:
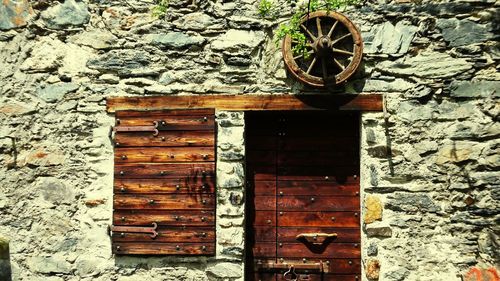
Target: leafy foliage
160 9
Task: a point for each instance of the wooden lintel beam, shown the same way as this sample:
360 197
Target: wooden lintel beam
248 102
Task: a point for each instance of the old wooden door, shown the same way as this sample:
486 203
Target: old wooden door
303 196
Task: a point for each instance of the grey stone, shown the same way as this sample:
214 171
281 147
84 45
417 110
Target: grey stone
397 275
123 63
390 39
373 85
175 40
464 32
96 39
427 64
225 270
88 265
412 203
489 245
238 42
372 249
468 89
54 190
55 92
48 265
196 21
14 14
417 92
413 111
68 14
378 229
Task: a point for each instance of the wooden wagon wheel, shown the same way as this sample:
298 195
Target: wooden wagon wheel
334 47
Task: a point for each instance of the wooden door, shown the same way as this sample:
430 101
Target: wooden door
303 196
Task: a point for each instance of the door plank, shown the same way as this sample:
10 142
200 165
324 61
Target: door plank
173 123
317 202
264 203
264 187
337 250
265 218
344 235
326 219
323 188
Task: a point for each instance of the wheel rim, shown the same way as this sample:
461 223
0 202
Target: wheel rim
334 46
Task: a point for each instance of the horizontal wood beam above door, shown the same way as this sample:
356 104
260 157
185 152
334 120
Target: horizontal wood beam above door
247 102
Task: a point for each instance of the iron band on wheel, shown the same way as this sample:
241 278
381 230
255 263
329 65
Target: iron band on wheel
335 47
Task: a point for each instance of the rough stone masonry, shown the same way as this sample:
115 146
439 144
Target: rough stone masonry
430 165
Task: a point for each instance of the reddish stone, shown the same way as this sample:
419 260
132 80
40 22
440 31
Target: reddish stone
482 274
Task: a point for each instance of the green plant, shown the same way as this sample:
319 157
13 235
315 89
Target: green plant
292 27
160 9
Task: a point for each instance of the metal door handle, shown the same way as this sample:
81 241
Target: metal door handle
316 238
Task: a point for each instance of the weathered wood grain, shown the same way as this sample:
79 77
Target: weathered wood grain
337 250
164 154
171 218
365 102
149 248
328 187
165 139
170 234
168 185
326 219
178 170
318 202
195 201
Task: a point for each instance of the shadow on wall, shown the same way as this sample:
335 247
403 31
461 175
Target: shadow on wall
5 270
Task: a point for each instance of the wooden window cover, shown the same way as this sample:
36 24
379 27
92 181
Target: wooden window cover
302 170
167 179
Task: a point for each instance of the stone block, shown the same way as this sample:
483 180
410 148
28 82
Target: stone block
373 209
225 270
54 190
56 92
378 229
482 274
238 42
14 14
372 269
427 64
411 203
464 32
391 39
458 151
68 14
175 40
474 89
48 265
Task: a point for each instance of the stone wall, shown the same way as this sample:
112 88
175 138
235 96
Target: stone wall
429 165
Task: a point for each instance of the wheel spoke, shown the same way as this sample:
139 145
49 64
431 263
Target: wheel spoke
331 29
340 38
338 64
313 38
323 66
318 26
311 65
342 52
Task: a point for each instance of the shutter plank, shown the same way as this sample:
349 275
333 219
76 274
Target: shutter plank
153 248
187 170
168 185
170 234
195 201
164 154
173 123
170 138
171 218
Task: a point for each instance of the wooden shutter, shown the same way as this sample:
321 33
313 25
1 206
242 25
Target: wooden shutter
165 178
303 180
